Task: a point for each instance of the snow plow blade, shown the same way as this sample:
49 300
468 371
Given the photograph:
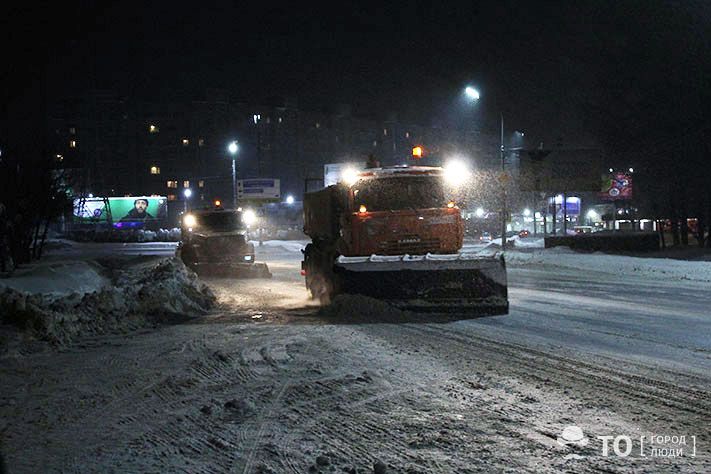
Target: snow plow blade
231 270
459 283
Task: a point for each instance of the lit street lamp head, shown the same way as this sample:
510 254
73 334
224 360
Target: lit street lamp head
232 148
187 193
472 93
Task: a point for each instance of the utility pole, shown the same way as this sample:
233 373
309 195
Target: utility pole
503 188
232 148
234 183
565 214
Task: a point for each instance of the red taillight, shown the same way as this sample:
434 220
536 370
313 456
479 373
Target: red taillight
303 272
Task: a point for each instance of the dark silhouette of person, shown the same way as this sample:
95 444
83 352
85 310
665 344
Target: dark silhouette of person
139 211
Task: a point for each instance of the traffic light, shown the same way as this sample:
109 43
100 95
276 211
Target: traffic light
418 152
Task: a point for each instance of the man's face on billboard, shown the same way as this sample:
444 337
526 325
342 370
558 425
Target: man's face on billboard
141 205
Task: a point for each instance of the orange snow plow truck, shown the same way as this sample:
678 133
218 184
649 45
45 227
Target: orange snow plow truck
395 233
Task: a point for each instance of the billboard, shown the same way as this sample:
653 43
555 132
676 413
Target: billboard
332 171
260 188
121 212
616 186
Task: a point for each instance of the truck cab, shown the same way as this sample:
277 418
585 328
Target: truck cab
216 241
388 211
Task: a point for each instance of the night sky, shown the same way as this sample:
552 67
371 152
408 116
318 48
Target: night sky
608 73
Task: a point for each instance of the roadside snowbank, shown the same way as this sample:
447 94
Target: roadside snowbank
57 278
659 268
137 294
529 242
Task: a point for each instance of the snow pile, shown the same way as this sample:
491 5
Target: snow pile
137 295
529 243
57 278
660 268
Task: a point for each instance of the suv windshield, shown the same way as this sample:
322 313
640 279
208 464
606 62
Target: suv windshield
220 221
398 193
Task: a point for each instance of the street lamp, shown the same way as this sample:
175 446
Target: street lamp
232 148
290 199
187 192
474 95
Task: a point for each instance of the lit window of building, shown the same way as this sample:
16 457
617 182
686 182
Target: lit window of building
171 197
152 129
256 118
201 184
279 120
72 143
375 142
186 184
186 142
172 184
60 158
318 125
269 120
385 131
407 134
201 142
155 170
72 131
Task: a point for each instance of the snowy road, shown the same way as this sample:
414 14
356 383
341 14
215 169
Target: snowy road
270 383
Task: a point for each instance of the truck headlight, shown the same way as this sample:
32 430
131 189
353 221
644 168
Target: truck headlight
349 176
456 173
249 217
189 220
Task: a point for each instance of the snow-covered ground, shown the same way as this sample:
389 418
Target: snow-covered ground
270 382
619 265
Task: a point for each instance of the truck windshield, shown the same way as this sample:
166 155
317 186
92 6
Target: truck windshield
399 193
220 221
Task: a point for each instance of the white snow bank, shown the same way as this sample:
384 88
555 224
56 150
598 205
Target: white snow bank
530 243
150 291
57 278
660 268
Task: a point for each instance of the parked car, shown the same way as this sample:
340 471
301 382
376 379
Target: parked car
583 229
524 233
485 237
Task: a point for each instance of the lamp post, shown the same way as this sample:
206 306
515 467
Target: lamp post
232 148
187 193
474 95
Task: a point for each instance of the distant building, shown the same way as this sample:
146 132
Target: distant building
117 146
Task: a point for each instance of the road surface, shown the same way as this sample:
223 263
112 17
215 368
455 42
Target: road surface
269 382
